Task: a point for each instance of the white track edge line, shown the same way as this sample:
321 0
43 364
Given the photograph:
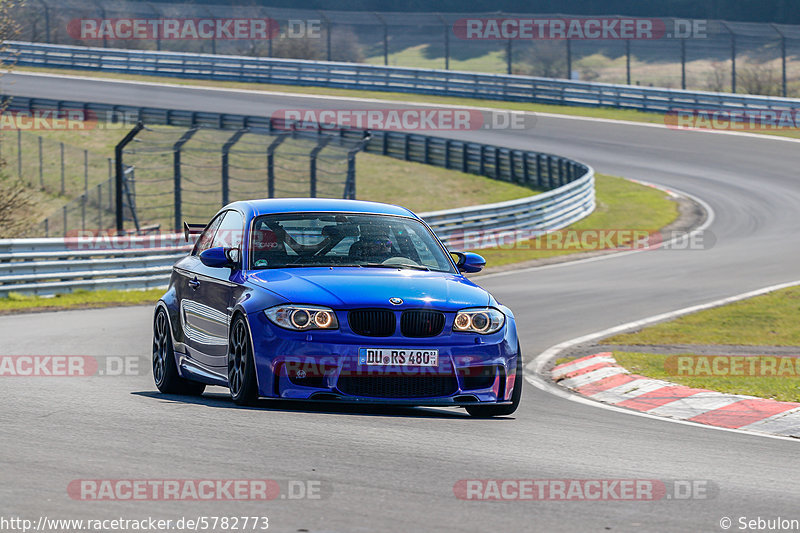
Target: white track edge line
194 86
710 217
534 371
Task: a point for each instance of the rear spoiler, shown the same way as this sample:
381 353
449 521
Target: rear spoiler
192 229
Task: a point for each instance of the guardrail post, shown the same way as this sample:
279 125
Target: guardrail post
497 163
447 153
120 174
483 160
271 164
226 148
426 151
464 158
176 169
321 144
525 171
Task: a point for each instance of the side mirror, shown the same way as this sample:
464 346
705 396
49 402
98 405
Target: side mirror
469 262
219 257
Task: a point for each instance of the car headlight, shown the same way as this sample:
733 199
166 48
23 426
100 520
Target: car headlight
302 317
483 320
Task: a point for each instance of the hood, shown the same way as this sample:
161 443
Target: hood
349 288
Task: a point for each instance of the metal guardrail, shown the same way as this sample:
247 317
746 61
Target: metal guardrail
51 266
382 78
48 266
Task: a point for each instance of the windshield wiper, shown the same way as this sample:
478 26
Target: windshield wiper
395 265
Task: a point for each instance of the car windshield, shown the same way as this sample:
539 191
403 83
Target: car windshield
338 240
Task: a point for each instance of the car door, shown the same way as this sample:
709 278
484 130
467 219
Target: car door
206 295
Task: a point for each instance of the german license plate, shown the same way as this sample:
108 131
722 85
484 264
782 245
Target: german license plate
398 357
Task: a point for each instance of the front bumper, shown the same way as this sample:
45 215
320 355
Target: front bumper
323 365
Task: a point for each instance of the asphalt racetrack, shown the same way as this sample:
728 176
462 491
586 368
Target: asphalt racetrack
395 470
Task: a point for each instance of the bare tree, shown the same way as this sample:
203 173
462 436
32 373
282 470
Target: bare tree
547 59
717 78
18 212
759 78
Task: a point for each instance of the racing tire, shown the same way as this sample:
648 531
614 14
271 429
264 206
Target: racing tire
165 371
241 368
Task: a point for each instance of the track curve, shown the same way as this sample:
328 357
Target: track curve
395 469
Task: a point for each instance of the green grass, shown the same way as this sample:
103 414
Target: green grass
592 112
656 366
769 320
78 300
621 204
427 188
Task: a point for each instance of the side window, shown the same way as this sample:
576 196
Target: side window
229 234
205 239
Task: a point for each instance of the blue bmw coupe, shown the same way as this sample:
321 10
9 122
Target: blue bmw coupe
333 300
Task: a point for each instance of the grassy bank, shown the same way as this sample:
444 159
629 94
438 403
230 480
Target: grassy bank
767 320
78 300
621 205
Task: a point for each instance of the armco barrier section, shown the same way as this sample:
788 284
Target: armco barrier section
382 78
50 266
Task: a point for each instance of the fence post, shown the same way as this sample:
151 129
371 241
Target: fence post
271 164
176 170
120 173
41 165
226 148
783 58
86 173
63 188
350 183
683 64
508 56
733 57
628 60
322 143
19 154
64 215
569 59
385 39
446 31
